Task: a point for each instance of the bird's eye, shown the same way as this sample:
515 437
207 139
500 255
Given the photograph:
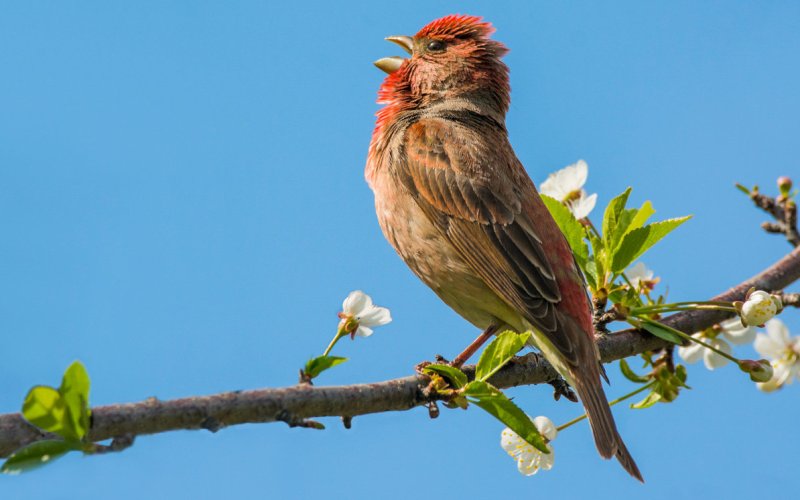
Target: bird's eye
436 46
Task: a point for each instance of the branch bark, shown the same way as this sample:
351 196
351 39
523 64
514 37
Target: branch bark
295 404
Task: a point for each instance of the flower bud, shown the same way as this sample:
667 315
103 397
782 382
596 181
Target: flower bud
760 371
785 185
759 308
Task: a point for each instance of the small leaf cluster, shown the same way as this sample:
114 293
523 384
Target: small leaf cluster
625 236
458 391
664 380
63 411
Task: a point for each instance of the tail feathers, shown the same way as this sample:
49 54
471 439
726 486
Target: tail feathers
606 437
626 460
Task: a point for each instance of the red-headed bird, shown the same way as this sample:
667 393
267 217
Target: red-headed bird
458 207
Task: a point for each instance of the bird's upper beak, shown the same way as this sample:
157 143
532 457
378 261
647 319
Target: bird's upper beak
392 64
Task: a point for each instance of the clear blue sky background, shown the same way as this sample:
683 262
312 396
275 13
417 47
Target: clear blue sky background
183 209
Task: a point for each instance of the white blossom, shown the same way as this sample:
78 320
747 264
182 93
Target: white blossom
566 186
530 459
728 331
694 351
641 277
359 315
783 351
760 307
736 333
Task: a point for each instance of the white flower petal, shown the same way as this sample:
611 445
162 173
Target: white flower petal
356 302
583 206
529 465
770 386
778 332
733 330
767 347
713 360
638 273
546 427
510 440
692 352
579 173
529 459
363 331
781 373
375 316
561 183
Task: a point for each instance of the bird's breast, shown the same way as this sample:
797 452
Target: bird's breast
431 256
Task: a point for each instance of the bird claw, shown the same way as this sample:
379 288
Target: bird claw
562 388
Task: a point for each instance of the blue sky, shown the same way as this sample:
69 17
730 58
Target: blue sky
183 204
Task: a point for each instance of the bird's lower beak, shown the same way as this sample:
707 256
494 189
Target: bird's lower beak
389 64
392 64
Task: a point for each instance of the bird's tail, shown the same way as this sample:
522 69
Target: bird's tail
584 376
606 437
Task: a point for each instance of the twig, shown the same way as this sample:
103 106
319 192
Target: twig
784 210
790 299
301 402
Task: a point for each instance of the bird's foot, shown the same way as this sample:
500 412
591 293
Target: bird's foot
562 388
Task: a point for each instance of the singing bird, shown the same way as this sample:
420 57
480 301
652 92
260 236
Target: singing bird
458 207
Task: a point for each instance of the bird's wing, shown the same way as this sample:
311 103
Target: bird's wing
468 181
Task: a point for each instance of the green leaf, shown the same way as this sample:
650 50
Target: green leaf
624 221
499 352
45 408
647 402
639 240
35 455
454 376
491 400
644 213
661 332
629 220
75 392
680 374
574 231
612 215
591 274
597 264
630 374
317 365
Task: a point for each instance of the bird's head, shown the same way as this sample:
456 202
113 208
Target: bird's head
451 57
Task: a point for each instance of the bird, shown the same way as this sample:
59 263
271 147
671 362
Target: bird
459 208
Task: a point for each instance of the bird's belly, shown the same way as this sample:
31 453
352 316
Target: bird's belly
437 263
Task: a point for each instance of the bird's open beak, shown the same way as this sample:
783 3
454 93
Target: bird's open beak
392 64
406 42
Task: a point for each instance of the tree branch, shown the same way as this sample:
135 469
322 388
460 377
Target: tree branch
784 210
294 405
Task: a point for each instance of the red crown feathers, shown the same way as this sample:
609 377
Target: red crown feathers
457 25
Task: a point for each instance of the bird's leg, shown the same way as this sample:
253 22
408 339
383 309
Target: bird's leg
474 346
562 388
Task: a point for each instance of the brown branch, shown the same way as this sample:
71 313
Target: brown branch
784 210
790 299
297 404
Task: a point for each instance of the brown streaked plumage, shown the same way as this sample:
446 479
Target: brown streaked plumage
455 202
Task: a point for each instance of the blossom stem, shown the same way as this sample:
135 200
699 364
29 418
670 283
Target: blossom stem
610 403
692 339
677 307
339 334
